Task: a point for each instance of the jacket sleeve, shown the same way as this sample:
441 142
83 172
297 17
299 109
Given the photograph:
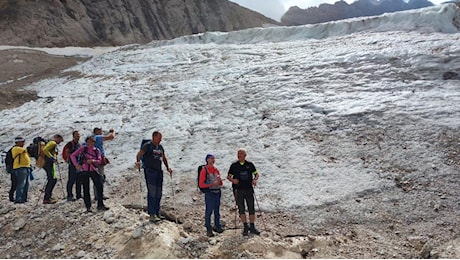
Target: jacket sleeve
49 148
202 180
221 183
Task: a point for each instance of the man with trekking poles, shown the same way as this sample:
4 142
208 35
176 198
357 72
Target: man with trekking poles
152 154
243 175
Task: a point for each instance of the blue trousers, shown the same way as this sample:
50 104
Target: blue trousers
22 186
212 201
154 180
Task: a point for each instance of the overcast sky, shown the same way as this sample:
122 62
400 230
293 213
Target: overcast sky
276 8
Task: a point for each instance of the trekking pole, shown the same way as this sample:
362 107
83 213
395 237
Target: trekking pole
261 215
235 192
174 201
41 193
140 185
60 178
140 182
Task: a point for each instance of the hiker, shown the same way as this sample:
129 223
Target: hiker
21 169
90 158
100 145
50 153
211 181
153 154
74 177
9 161
244 175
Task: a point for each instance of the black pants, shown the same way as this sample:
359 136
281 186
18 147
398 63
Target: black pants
49 168
14 183
84 179
73 179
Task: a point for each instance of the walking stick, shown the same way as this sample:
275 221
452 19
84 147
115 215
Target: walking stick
261 215
140 185
41 193
60 178
174 201
235 193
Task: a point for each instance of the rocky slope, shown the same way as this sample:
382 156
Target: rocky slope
56 23
342 10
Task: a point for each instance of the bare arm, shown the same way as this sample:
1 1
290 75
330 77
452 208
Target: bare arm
138 158
110 136
165 161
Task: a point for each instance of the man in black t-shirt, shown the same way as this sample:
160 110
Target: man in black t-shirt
153 154
243 175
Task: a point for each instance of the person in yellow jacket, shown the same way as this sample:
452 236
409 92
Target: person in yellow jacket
21 169
50 152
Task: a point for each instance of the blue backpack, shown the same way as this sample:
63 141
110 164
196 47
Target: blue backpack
150 148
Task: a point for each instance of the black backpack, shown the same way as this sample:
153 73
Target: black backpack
204 190
9 161
33 148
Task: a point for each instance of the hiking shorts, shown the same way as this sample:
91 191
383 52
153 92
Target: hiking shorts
248 196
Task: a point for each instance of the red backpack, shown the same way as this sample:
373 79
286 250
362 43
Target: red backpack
64 151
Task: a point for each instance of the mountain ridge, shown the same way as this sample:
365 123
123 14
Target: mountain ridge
86 23
342 10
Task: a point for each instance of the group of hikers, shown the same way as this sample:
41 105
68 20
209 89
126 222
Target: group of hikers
87 161
242 174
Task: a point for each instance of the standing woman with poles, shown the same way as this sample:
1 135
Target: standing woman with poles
243 174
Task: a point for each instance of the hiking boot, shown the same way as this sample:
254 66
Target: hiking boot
245 230
89 210
70 199
102 208
209 233
218 230
50 201
161 217
154 219
254 231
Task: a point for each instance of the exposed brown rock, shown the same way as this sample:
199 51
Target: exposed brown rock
117 22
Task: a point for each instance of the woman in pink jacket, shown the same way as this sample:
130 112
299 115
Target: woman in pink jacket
86 160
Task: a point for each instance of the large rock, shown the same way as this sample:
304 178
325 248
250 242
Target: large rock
341 10
117 22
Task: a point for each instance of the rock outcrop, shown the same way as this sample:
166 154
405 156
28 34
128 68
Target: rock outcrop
57 23
341 10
